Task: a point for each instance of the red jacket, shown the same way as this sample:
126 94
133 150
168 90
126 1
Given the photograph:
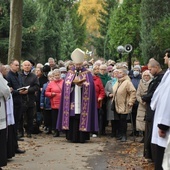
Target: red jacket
100 91
54 87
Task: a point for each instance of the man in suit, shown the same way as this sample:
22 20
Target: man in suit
15 82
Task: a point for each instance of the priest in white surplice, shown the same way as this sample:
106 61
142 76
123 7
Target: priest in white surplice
4 96
161 104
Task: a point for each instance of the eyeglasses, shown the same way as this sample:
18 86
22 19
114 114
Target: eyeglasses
146 75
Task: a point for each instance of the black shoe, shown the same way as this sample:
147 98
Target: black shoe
119 137
137 133
20 135
56 133
20 139
19 151
113 134
123 139
29 136
48 132
103 133
132 134
142 141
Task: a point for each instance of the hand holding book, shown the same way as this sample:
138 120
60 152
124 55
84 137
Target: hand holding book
23 88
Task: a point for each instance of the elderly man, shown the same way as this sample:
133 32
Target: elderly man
78 108
31 84
15 82
51 63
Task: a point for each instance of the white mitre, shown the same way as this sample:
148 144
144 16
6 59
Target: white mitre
78 56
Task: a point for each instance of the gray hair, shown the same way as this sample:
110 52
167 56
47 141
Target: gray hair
125 71
50 73
56 71
103 66
154 63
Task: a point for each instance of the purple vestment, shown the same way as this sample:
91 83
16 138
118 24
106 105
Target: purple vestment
89 115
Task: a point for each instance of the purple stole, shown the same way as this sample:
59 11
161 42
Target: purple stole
67 105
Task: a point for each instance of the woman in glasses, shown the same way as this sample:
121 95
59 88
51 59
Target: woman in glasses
142 89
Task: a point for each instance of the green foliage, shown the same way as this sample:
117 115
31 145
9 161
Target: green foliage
101 42
152 13
161 33
4 30
42 26
79 26
68 41
104 16
124 27
50 22
29 31
49 28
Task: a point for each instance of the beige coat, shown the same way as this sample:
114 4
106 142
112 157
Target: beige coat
142 90
124 93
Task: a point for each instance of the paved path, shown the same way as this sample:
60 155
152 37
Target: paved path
46 152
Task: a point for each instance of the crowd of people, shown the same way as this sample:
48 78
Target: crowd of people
80 98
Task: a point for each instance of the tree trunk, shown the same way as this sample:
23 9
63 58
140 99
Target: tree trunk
15 34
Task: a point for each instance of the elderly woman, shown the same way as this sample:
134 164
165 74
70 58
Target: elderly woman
100 93
124 95
142 90
103 74
53 91
111 115
46 105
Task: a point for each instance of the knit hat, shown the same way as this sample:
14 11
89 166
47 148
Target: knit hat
63 69
137 67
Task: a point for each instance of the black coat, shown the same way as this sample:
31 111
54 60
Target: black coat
32 81
15 82
147 98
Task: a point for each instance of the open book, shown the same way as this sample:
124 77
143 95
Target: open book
23 88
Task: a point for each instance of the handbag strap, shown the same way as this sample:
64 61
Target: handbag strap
59 87
116 91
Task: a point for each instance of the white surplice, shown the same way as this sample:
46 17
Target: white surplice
161 104
10 111
77 99
4 95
